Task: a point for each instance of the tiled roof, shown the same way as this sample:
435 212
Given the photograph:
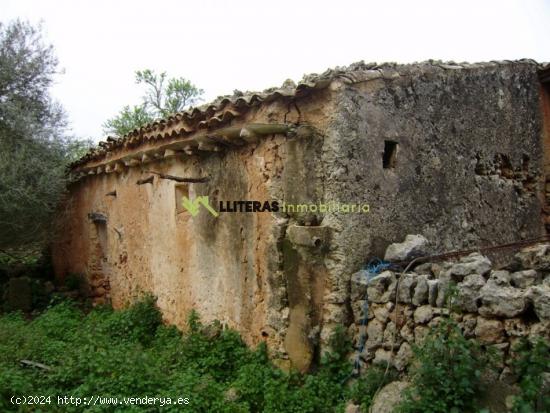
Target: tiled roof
226 108
211 116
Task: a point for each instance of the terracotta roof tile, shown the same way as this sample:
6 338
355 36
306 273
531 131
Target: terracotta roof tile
226 108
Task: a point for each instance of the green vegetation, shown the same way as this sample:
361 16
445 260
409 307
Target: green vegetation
533 359
162 98
374 378
35 147
446 374
131 353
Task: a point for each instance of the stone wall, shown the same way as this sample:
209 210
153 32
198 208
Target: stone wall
451 152
497 306
467 170
129 237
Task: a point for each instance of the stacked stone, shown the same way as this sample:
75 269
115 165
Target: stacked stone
99 286
496 306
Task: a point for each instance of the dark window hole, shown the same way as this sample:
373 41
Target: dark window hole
390 154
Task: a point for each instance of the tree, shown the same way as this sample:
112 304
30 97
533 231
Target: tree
127 120
34 146
162 98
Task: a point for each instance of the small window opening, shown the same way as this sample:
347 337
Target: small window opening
390 154
180 191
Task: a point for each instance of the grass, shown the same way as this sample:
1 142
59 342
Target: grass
131 353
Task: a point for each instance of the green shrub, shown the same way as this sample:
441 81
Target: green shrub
137 323
445 373
533 359
131 353
365 387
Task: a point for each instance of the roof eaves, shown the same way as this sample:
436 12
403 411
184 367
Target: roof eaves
226 108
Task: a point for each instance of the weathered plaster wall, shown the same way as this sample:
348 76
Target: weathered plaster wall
219 266
545 110
468 169
469 155
230 268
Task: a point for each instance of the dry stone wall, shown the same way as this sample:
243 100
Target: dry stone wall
497 306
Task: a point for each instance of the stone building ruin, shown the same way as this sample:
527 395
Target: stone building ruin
454 152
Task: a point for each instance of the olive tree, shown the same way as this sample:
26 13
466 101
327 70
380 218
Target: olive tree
35 148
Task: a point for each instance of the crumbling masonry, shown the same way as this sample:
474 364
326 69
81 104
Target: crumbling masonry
498 306
455 152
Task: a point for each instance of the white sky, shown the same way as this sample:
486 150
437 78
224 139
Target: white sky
251 45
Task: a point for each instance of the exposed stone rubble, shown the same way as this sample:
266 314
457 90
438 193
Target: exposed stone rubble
389 397
413 246
496 306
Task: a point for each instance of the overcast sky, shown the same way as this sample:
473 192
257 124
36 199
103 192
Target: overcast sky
252 45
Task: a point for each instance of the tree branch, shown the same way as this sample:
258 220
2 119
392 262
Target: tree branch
180 179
